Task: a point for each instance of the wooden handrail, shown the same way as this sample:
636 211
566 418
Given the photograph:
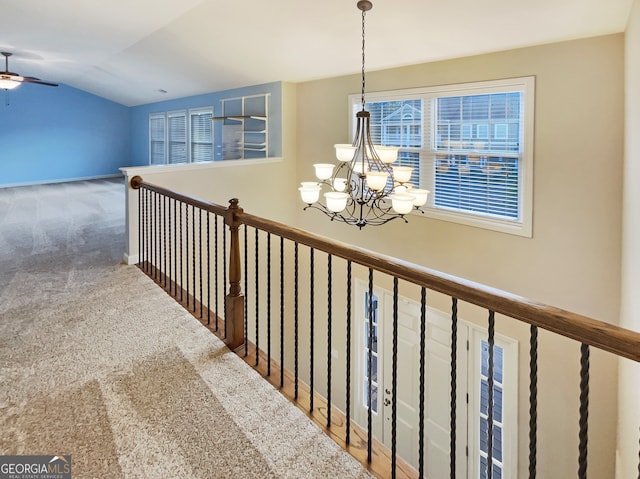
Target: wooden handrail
596 333
600 334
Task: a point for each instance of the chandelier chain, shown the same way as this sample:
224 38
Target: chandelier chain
363 83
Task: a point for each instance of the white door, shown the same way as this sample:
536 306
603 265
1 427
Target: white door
437 382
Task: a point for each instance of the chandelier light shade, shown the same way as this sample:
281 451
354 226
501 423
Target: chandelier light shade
366 187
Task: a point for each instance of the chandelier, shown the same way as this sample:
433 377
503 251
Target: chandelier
365 187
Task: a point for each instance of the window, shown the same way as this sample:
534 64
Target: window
177 136
200 135
505 380
157 146
181 136
370 315
470 145
496 411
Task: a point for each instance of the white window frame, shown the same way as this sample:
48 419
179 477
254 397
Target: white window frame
522 226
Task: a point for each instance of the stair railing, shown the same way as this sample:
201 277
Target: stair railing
176 250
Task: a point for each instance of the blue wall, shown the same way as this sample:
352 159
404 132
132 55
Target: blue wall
51 134
140 116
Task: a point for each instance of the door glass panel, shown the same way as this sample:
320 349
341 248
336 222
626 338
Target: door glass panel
370 399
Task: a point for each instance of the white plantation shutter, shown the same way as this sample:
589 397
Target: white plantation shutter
157 144
177 136
200 135
470 145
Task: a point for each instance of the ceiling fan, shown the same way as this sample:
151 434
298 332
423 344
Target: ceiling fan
10 80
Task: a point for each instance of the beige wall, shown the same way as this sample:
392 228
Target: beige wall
573 259
577 178
629 393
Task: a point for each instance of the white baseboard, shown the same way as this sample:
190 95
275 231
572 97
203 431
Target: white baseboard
62 180
129 260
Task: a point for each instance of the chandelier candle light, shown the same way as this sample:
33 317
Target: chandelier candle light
365 180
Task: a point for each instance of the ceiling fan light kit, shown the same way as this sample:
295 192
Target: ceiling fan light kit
10 80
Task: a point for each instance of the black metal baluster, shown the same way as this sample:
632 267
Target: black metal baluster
150 219
193 254
246 291
421 407
169 242
149 255
584 411
329 290
181 263
140 210
200 259
454 387
268 304
491 341
142 192
186 230
257 296
394 381
311 325
370 368
215 266
156 227
152 228
295 318
164 238
175 248
145 242
348 353
281 311
533 401
208 268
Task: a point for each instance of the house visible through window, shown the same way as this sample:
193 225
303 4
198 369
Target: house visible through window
184 136
470 145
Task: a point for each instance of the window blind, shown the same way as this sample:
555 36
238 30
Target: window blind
177 136
200 133
157 147
475 153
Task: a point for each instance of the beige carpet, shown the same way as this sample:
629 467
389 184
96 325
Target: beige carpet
98 362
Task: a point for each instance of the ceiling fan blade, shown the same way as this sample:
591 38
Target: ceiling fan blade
14 77
38 81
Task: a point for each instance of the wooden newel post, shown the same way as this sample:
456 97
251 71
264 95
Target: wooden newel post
234 301
135 182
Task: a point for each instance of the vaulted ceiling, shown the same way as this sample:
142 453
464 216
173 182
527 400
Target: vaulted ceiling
129 50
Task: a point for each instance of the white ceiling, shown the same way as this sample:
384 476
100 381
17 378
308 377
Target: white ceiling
127 50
